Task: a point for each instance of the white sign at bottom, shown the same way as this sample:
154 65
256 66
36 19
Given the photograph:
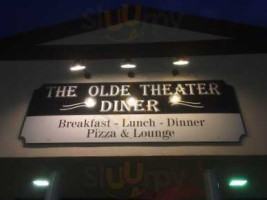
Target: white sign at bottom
140 128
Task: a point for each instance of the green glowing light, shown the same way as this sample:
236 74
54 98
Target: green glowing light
238 183
40 183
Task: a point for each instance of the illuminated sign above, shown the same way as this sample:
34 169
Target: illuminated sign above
136 112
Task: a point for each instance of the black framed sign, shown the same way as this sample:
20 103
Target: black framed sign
135 112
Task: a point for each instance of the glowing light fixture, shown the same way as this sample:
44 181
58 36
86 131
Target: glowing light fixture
78 67
90 102
131 101
129 65
238 183
180 61
175 98
40 183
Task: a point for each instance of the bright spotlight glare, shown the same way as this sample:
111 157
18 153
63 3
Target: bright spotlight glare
181 62
77 68
175 98
40 183
131 101
238 183
128 66
90 102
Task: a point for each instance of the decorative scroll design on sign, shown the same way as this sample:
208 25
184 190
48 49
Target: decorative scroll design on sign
73 106
189 104
89 102
177 100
